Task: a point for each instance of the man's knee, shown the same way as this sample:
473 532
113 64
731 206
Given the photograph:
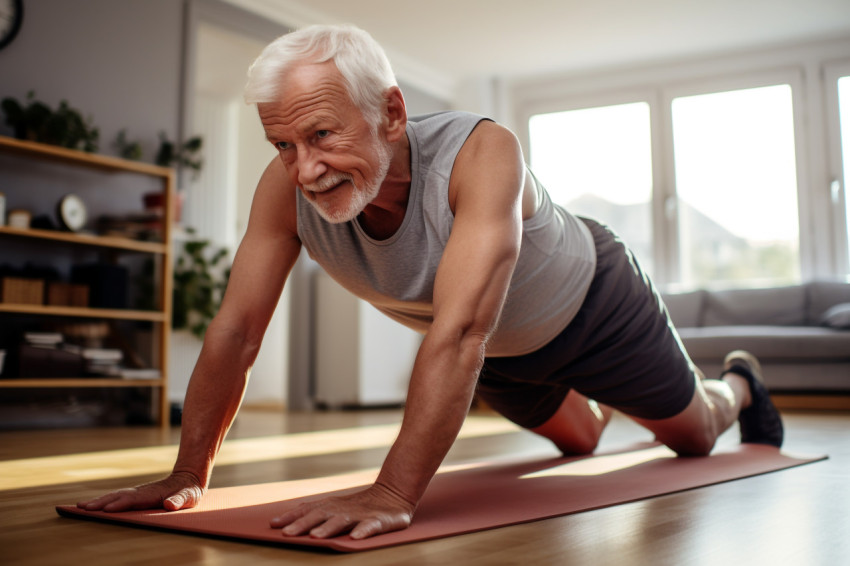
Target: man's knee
690 433
576 426
576 445
698 443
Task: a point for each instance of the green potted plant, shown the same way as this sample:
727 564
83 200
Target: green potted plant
168 154
171 154
36 121
201 273
186 154
127 149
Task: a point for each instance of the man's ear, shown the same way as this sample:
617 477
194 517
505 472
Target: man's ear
395 117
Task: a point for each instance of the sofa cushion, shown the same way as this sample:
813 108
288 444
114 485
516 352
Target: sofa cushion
837 317
784 306
823 295
685 308
770 342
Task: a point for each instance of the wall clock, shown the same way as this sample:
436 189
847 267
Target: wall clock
71 211
11 16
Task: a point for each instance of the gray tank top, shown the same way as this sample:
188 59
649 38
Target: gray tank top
396 275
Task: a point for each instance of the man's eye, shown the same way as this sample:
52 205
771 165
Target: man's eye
321 134
282 145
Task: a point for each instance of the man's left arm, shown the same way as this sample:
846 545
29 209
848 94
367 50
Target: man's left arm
469 290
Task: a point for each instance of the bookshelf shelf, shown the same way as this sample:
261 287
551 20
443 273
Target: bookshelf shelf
116 242
120 314
60 382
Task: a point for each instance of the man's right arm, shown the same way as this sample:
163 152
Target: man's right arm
264 259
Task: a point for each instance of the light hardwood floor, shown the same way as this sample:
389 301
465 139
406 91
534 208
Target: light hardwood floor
799 516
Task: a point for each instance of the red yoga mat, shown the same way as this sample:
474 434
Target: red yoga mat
463 499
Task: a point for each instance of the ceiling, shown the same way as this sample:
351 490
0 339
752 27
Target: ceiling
449 41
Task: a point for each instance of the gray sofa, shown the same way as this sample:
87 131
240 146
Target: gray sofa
801 333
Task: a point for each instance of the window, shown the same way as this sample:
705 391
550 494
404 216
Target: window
748 155
736 181
597 162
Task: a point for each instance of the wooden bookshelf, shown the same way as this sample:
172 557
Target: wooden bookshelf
36 153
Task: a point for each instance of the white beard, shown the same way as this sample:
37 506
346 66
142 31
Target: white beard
360 196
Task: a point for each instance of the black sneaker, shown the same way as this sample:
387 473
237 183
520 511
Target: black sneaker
760 422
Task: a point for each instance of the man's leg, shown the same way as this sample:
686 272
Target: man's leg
714 407
576 426
739 395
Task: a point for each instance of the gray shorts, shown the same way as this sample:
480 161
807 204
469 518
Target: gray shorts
620 349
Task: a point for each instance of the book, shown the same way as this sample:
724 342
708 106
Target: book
140 373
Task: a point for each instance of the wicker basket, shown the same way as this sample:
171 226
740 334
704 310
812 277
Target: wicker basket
20 291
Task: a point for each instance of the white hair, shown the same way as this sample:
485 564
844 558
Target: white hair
361 62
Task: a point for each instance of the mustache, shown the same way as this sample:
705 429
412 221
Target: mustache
328 182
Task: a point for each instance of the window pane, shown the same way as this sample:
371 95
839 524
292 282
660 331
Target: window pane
844 113
597 162
737 186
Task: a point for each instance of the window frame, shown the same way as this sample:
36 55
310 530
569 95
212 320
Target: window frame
791 76
839 193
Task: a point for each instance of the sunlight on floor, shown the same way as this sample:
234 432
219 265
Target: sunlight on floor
53 470
600 465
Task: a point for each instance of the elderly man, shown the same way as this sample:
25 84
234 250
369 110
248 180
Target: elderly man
438 223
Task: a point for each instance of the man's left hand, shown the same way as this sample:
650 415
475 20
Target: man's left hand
364 514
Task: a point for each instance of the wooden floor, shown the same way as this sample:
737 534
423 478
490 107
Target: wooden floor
799 516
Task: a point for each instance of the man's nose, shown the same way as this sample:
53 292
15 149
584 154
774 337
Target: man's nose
311 166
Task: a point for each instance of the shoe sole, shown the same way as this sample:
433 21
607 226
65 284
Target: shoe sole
749 361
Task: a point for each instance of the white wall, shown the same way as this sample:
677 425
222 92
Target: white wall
117 62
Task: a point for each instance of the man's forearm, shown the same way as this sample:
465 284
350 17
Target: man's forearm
212 401
440 393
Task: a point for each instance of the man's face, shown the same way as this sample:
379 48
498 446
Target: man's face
327 147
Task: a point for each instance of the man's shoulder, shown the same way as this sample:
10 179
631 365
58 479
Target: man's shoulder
275 201
446 117
441 133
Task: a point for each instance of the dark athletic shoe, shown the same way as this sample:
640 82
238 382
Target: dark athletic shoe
760 422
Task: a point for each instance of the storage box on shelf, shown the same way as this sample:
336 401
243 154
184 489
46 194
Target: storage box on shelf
22 291
61 301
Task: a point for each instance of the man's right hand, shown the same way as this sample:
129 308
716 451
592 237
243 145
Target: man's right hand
180 490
